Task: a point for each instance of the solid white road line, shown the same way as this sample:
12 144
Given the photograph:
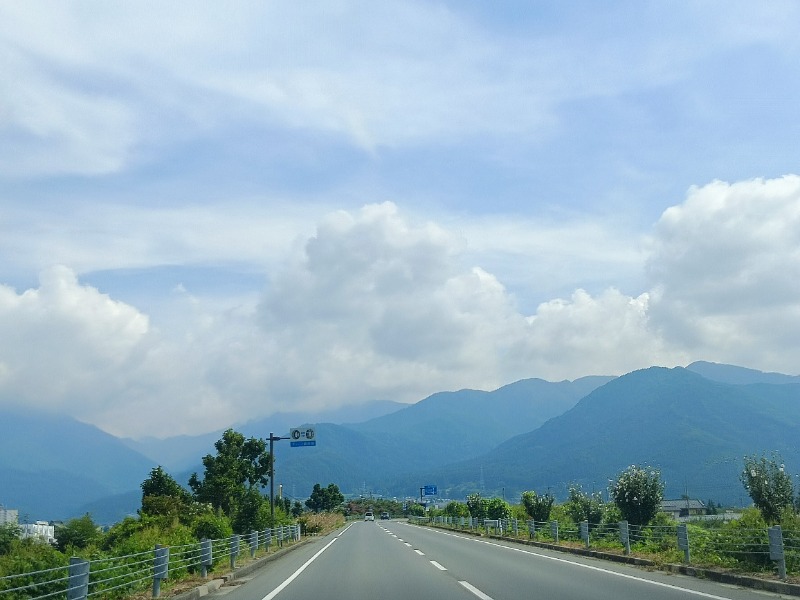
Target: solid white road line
475 590
294 575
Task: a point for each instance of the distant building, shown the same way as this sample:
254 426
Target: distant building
41 530
684 508
8 515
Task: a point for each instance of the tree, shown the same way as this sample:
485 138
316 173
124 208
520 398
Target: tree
161 483
325 499
581 506
768 485
162 495
476 506
240 465
537 507
78 533
9 532
456 509
638 492
497 508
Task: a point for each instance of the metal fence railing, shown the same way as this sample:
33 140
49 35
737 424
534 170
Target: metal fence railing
119 576
764 548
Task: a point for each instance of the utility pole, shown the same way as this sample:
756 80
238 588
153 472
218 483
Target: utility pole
273 438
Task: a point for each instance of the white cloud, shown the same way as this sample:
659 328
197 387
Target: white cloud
63 339
88 84
378 304
725 270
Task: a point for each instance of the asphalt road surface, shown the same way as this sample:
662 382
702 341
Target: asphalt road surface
392 560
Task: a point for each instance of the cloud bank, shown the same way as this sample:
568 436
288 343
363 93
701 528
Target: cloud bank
378 304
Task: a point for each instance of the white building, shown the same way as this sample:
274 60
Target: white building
40 530
8 515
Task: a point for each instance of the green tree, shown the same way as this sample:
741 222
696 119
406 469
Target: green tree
768 485
78 533
325 499
240 466
497 508
456 509
161 483
581 506
638 492
9 533
537 507
477 506
297 509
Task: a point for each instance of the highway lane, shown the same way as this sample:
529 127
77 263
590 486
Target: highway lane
392 560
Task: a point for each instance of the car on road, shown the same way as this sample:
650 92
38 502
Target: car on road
368 516
384 516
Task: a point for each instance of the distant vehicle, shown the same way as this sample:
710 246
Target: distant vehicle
368 516
384 516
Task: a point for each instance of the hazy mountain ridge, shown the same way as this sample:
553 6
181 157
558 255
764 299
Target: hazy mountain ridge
694 430
531 434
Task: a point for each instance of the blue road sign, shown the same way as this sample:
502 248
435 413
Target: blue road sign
303 443
429 490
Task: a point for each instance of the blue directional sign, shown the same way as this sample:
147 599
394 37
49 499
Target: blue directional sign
303 443
429 490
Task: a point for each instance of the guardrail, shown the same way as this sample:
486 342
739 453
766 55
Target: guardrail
118 576
748 546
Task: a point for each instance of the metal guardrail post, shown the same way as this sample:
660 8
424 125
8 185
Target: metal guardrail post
531 529
78 579
234 550
554 530
584 526
253 543
206 557
683 542
268 540
776 549
625 536
160 568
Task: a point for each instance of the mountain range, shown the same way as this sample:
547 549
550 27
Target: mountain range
693 424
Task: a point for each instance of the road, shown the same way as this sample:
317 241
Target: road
392 560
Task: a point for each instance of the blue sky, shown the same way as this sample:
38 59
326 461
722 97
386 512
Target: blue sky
212 212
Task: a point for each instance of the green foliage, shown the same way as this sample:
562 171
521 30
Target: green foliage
497 508
581 506
78 534
415 510
212 526
325 499
477 506
30 556
537 507
9 533
456 509
253 512
768 485
638 492
161 483
240 467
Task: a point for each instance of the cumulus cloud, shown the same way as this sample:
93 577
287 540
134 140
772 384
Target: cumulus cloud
725 272
378 304
63 339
